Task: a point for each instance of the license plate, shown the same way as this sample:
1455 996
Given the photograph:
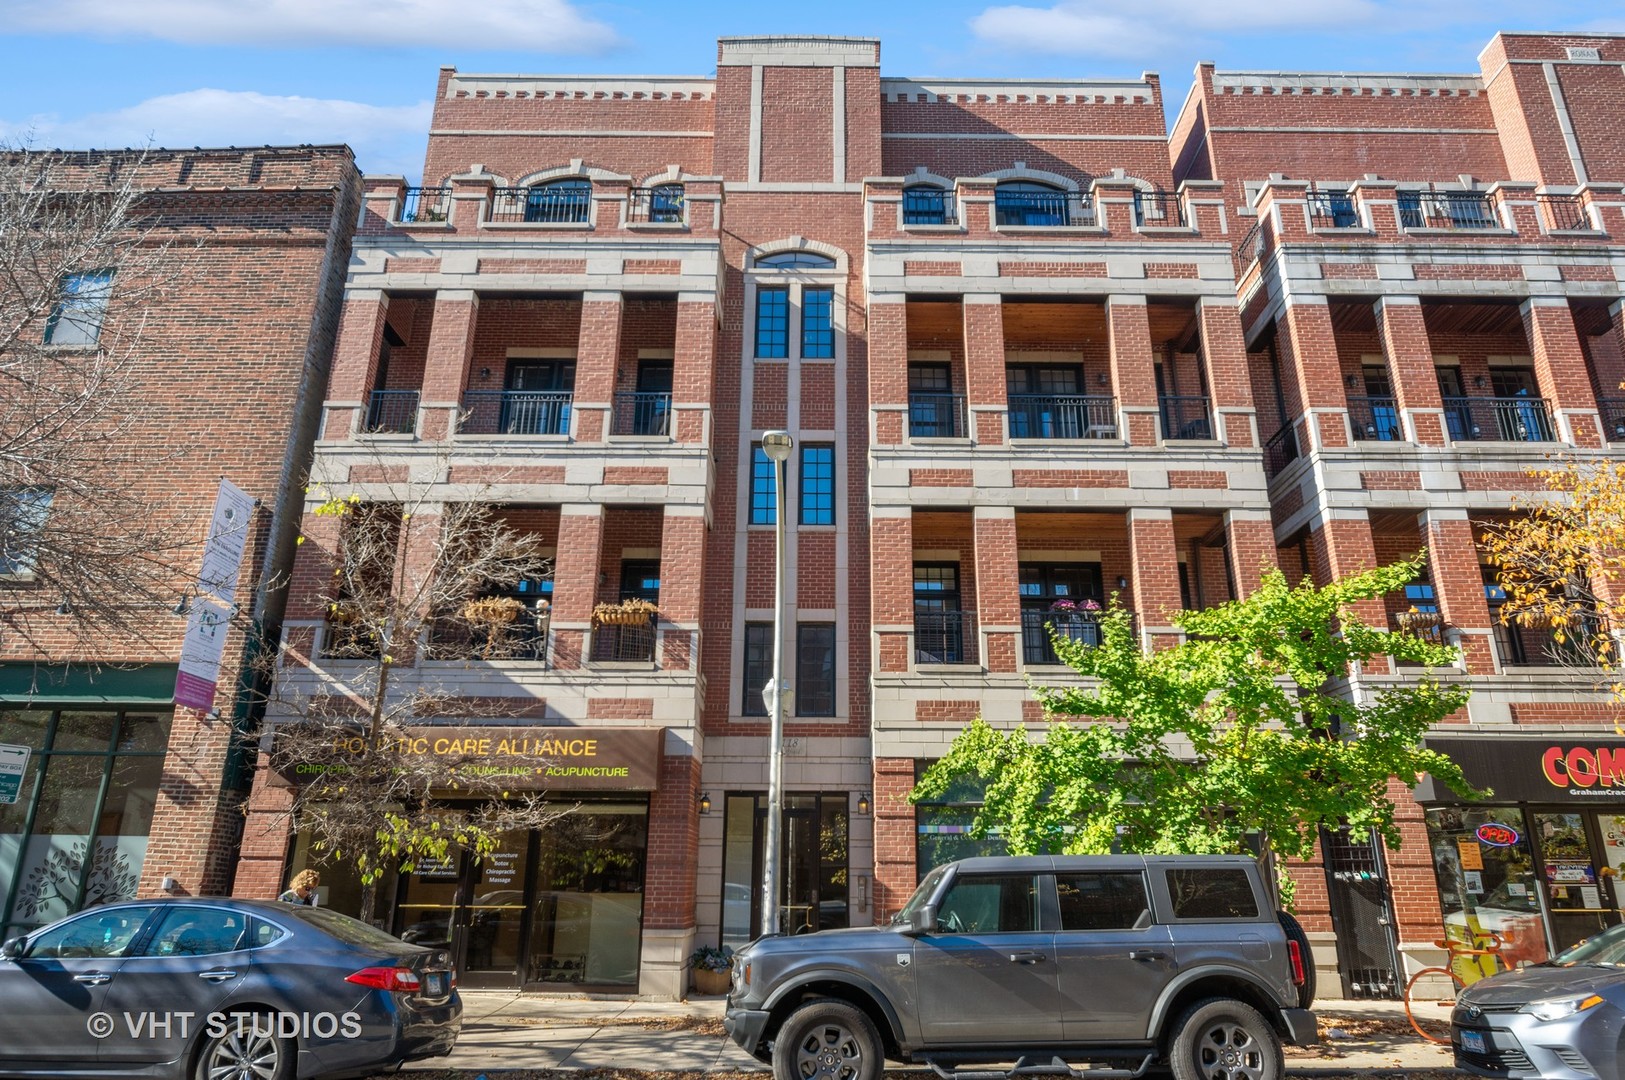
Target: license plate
434 985
1473 1042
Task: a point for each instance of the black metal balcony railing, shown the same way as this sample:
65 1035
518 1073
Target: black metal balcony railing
945 637
1447 210
516 412
1185 416
1332 210
422 204
642 413
554 206
925 205
392 412
1534 646
1158 208
662 205
1036 646
1613 418
936 416
1500 419
624 644
456 639
1281 449
1043 208
1255 246
1375 419
1063 416
1563 212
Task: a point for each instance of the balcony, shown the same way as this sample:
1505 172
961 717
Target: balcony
662 205
516 412
392 412
1332 210
1028 209
624 644
1036 645
936 416
1158 209
1563 213
1498 419
1375 419
421 205
525 639
642 413
945 637
927 205
1446 210
1063 416
548 205
1185 417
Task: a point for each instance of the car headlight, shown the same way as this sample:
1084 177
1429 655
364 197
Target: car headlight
1558 1008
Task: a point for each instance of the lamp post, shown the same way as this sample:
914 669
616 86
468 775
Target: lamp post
777 446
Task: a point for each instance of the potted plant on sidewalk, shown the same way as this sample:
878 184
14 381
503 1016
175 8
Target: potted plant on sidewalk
711 964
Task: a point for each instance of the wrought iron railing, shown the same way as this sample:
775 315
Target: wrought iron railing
620 643
392 412
424 204
1185 416
516 412
1332 210
1036 646
945 637
661 205
1446 210
1063 416
1563 212
642 413
457 639
542 205
1281 449
346 638
1255 245
1158 208
936 416
1042 208
1534 646
1613 418
926 205
1375 419
1501 419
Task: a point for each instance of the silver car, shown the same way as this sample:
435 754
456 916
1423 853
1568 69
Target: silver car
1560 1020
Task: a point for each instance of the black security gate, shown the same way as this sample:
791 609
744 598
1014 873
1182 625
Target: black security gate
1362 915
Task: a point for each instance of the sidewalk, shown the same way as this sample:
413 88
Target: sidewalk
506 1030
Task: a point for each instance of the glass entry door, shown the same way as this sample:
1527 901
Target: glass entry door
814 876
1574 891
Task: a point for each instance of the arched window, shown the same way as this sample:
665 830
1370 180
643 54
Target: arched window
564 201
927 204
1024 202
787 260
666 204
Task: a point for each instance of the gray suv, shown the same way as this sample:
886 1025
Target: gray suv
1136 963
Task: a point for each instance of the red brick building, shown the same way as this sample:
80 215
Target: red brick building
1032 346
123 789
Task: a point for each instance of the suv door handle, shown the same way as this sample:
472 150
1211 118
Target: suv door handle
1146 955
1026 957
217 975
93 978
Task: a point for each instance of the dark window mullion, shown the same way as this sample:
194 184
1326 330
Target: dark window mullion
33 813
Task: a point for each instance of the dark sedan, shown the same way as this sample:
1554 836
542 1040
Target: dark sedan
217 989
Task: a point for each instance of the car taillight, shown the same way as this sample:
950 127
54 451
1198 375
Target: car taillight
399 979
1295 954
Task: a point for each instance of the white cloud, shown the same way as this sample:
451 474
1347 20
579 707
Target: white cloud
386 138
1080 27
548 26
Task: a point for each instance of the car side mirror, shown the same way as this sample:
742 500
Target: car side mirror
14 949
923 921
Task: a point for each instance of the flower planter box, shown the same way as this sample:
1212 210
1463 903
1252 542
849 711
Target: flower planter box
710 982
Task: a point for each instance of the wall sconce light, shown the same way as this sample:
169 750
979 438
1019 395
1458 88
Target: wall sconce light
1122 582
184 604
65 607
863 803
705 803
485 373
1351 380
1478 381
1104 378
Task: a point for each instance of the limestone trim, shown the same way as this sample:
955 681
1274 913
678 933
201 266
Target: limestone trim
1332 82
813 50
1020 91
694 87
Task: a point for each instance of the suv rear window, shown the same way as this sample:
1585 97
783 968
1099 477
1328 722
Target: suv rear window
1104 901
1212 893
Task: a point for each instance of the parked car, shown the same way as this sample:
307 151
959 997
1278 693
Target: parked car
1132 961
1561 1019
184 988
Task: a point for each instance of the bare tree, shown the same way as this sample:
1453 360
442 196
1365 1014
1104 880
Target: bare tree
411 577
83 530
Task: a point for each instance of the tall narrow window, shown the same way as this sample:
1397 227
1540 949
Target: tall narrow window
817 484
817 324
22 520
764 502
77 317
815 669
758 667
773 323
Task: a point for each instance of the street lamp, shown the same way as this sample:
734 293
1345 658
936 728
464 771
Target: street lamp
776 445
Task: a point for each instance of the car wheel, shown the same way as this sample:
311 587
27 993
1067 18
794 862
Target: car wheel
1221 1039
827 1040
1294 932
245 1051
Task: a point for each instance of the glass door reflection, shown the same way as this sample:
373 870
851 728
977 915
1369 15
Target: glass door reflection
1574 895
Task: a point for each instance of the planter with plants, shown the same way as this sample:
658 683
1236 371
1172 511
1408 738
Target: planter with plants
711 964
635 612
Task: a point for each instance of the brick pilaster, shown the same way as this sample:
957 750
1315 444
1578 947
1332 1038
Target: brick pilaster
267 829
575 581
1155 584
1229 378
1560 369
597 352
1249 537
693 381
888 366
984 367
896 867
1409 351
355 361
445 372
1459 585
1134 373
891 554
674 845
998 587
1343 545
1308 348
682 558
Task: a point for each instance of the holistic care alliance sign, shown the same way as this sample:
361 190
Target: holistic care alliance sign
1570 769
524 758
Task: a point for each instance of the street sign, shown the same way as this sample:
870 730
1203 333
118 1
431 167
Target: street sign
13 766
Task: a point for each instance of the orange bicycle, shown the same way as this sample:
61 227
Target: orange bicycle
1479 963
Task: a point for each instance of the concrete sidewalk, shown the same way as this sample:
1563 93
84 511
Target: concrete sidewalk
505 1030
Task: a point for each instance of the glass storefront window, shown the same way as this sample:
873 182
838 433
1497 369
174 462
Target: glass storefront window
1486 871
942 826
1574 894
814 885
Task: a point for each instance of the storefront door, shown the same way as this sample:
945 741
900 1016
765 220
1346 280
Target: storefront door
1576 902
814 879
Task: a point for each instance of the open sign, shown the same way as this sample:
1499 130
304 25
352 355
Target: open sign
1495 834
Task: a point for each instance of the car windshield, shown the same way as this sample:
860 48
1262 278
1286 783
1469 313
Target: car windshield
348 930
1607 948
921 895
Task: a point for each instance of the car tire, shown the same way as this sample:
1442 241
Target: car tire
266 1057
1294 932
1224 1037
828 1040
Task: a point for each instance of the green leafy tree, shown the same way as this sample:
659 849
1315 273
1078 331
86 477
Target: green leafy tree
1237 733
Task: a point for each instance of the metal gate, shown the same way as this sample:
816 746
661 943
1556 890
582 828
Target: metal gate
1362 915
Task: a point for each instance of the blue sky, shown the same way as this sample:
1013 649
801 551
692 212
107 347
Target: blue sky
249 72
